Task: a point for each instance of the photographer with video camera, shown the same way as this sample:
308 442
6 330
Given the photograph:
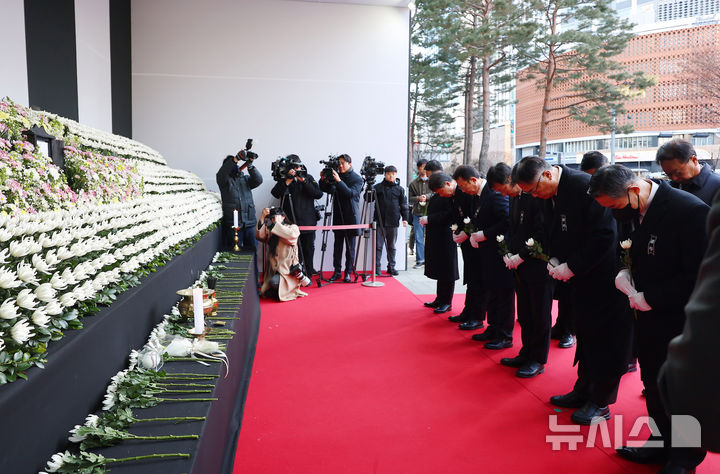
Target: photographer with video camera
392 207
235 188
297 191
283 275
338 179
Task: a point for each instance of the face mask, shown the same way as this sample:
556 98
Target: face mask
627 213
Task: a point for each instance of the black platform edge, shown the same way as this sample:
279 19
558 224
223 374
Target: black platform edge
36 414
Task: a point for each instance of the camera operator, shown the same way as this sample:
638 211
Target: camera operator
346 187
300 205
283 277
235 188
393 207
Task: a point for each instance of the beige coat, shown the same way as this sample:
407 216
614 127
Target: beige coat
286 255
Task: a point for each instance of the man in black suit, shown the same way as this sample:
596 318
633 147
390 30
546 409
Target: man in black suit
663 232
440 250
680 162
345 188
581 243
688 380
489 215
297 196
533 285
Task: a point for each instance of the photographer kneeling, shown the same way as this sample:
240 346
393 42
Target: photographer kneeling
283 276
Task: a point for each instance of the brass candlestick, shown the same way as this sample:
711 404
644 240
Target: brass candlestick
236 248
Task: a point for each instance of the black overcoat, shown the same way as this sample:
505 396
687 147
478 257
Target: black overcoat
440 250
527 220
583 234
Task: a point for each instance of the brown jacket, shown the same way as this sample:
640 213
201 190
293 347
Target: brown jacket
286 255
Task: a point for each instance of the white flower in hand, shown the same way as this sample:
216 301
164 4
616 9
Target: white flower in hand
21 332
530 242
466 220
454 227
45 292
626 244
500 238
8 310
26 299
8 279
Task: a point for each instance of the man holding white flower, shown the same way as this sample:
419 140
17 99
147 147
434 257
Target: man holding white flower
533 285
581 243
662 232
489 216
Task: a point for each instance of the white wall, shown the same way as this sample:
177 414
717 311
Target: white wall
13 78
92 32
307 78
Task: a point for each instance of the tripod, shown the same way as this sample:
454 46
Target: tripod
327 220
369 210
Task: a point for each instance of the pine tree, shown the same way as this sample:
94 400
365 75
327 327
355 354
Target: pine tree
572 54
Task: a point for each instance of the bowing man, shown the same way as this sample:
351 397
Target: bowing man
582 238
533 285
662 233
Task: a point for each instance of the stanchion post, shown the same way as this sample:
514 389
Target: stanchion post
373 283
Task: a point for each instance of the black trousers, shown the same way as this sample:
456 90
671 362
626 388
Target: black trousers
385 237
500 311
565 323
307 248
534 313
600 390
341 236
475 302
445 288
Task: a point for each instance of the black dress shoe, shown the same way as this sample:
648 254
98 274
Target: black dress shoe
632 366
347 277
569 400
335 276
432 304
443 308
642 455
567 341
516 362
393 272
488 335
470 325
459 318
672 468
530 370
590 414
498 344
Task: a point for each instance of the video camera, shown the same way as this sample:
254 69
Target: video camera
246 154
371 168
282 166
331 164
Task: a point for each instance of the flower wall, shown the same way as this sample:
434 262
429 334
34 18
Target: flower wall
71 240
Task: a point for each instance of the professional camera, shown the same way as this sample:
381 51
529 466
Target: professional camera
296 271
282 166
331 164
246 154
371 168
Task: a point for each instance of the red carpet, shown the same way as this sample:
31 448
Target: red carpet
366 380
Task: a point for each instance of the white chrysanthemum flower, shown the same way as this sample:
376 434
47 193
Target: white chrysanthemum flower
26 272
500 238
26 299
530 242
63 253
40 318
57 282
74 437
40 264
51 258
56 462
466 220
21 331
454 227
67 299
2 341
67 275
53 308
45 292
626 244
5 234
8 310
8 279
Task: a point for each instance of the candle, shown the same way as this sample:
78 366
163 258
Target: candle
198 311
235 219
